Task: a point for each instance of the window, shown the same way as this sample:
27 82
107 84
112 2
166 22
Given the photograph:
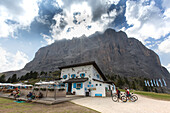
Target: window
96 84
82 75
98 76
73 75
64 76
78 85
62 84
100 84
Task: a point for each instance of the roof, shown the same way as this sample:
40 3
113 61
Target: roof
109 82
84 64
45 83
75 80
18 84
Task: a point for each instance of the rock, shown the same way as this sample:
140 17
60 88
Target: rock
113 51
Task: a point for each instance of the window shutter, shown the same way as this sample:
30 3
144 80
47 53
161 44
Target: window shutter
73 76
65 76
98 76
82 75
81 85
74 86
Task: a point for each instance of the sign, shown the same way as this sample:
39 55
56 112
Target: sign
92 88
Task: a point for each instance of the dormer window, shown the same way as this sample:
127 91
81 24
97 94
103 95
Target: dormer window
64 76
82 75
73 75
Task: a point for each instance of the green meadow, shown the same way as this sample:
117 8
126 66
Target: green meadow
9 106
159 96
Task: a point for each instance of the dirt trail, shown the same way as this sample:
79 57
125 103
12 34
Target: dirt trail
143 105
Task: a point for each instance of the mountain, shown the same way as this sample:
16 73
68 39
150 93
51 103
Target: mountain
113 51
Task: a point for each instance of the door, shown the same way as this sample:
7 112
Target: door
69 87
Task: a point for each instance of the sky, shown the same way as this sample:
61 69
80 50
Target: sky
27 25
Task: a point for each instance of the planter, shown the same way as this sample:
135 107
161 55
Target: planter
36 89
51 89
62 89
43 89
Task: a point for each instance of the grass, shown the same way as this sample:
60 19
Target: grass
9 106
159 96
33 81
1 74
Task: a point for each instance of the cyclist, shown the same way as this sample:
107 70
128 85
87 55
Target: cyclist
118 94
127 93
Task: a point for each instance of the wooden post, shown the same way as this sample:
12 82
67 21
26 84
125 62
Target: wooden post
46 90
33 89
38 91
55 93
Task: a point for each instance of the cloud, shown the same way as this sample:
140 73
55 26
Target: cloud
146 20
17 14
98 7
165 46
81 18
166 4
9 61
168 67
47 38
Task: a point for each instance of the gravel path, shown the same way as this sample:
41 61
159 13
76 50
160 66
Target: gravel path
143 105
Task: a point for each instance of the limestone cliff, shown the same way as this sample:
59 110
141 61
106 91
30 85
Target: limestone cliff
113 51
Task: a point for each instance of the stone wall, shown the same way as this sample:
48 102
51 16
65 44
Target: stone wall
50 94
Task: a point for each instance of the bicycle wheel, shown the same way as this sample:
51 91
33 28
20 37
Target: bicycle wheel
135 97
124 99
132 99
114 98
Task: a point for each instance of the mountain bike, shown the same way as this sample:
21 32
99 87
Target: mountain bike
122 98
132 98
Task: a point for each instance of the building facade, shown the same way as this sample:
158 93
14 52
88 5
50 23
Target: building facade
85 79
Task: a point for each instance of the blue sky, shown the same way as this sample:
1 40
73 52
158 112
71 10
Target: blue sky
27 25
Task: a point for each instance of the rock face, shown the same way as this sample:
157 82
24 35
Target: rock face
113 51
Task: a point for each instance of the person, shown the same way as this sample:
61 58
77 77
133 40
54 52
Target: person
118 93
127 93
17 95
31 97
29 94
40 95
89 90
13 93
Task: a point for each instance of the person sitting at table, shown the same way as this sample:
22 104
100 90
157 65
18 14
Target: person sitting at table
29 94
40 95
13 93
31 98
17 95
